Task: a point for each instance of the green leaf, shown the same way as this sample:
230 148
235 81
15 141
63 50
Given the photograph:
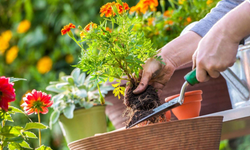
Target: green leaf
24 144
115 9
82 93
75 74
42 147
87 105
71 80
16 79
7 117
29 134
13 109
60 85
53 88
68 111
54 116
34 125
18 139
82 78
13 146
130 28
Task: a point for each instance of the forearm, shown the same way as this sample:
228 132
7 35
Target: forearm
180 50
236 24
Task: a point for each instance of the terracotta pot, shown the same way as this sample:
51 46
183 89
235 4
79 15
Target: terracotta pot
190 134
191 106
168 115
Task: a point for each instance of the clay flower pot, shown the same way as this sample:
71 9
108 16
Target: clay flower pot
191 106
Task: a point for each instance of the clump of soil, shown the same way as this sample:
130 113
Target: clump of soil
141 105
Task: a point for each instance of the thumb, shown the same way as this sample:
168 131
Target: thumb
143 83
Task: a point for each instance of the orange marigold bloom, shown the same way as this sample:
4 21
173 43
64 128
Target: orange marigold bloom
67 28
108 29
209 2
168 13
169 22
150 21
108 11
87 28
36 102
189 19
144 5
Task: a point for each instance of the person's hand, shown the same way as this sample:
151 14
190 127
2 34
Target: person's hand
156 74
215 53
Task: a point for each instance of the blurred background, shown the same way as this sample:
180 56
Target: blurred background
32 47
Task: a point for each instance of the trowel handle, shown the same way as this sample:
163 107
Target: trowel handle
191 77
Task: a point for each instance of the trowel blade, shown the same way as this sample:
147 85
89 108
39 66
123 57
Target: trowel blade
159 110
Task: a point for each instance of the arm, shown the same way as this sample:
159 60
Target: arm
222 8
218 48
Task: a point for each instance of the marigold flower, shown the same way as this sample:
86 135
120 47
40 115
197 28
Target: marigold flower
108 11
23 26
108 29
168 13
209 2
87 28
7 92
143 5
169 22
11 54
36 102
7 35
44 65
150 21
189 19
67 28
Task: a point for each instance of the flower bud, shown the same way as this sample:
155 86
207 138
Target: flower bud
70 34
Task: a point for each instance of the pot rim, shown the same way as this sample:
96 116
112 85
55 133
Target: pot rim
187 94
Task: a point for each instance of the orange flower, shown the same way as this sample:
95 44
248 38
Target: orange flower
144 5
108 11
67 28
108 29
168 13
150 21
169 22
36 102
87 28
189 19
23 26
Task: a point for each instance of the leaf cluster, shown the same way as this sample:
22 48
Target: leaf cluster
15 137
74 91
118 53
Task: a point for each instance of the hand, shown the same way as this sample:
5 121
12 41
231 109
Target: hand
215 53
156 74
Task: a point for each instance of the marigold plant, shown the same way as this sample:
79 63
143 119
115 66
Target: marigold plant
118 54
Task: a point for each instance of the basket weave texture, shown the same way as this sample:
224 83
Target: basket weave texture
190 134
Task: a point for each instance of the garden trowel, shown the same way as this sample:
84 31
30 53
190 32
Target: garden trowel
190 80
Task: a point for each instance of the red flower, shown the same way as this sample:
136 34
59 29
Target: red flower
7 93
108 11
36 102
66 28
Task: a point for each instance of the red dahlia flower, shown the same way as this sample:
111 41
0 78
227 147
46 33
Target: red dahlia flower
7 93
36 102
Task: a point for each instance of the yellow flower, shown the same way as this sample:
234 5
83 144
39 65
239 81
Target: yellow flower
11 54
3 45
44 65
181 1
23 26
209 2
7 35
4 41
69 58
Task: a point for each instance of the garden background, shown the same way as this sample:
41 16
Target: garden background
32 47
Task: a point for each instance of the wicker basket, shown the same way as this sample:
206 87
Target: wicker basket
190 134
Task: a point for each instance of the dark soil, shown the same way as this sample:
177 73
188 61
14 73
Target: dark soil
141 105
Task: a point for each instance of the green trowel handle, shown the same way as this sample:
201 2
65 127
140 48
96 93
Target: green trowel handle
191 77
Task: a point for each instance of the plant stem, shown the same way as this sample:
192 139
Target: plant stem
40 137
78 43
2 139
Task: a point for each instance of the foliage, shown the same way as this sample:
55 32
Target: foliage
116 53
74 91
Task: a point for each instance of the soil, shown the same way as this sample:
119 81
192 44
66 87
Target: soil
141 105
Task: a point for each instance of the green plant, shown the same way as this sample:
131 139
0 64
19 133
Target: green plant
75 91
116 53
